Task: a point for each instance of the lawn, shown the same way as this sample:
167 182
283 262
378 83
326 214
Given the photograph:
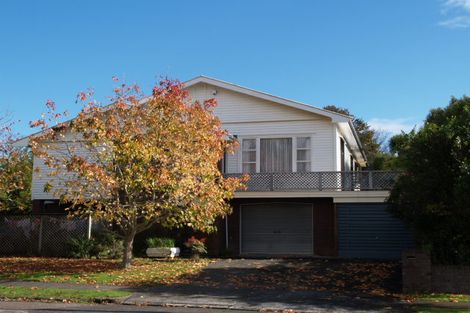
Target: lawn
444 297
61 294
440 310
102 272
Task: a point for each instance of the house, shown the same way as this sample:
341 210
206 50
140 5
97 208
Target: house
307 195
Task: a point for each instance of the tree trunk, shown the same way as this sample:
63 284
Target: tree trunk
128 245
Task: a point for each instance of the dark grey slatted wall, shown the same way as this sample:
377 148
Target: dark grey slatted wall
277 229
369 231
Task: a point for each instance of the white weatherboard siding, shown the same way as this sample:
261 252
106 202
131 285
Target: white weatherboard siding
41 174
40 178
248 116
234 107
320 132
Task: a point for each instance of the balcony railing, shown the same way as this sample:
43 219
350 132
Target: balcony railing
321 181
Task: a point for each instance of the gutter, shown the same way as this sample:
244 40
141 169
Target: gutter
356 136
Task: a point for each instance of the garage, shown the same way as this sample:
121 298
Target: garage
367 230
276 229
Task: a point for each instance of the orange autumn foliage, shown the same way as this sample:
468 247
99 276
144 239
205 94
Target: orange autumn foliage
139 161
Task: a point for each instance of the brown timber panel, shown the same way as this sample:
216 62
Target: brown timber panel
324 227
234 229
216 240
37 206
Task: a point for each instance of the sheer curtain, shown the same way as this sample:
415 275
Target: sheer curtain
276 155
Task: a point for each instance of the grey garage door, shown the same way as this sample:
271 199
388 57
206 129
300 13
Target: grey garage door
277 229
369 231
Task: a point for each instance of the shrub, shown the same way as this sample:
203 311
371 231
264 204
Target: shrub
157 242
108 245
433 196
81 247
196 245
104 244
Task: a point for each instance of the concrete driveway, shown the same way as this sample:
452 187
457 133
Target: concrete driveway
363 278
310 285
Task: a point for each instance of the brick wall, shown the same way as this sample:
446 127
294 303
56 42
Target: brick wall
416 272
453 279
420 276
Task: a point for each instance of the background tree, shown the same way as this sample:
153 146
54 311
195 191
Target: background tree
15 171
139 161
371 139
433 196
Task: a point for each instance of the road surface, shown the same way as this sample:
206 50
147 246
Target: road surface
40 307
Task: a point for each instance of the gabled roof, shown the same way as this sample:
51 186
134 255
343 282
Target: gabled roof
335 117
344 122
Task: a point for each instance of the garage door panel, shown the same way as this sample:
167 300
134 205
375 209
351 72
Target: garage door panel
369 231
278 245
277 229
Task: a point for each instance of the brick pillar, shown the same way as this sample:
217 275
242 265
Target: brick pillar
416 271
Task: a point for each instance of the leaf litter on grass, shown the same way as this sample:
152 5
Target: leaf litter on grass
107 272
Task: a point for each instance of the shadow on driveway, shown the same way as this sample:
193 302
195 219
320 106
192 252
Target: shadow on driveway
313 284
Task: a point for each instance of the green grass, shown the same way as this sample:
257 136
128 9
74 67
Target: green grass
15 292
444 297
440 310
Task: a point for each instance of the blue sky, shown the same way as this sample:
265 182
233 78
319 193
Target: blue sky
386 61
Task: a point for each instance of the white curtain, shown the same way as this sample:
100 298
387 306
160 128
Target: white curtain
276 155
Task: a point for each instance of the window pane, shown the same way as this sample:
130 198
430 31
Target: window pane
303 166
249 144
303 155
249 156
303 142
249 167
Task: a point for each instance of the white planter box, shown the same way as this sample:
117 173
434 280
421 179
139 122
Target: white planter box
163 252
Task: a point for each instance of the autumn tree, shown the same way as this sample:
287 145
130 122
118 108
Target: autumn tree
371 139
433 194
139 161
15 171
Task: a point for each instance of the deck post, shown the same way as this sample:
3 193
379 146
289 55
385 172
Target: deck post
40 235
90 224
371 181
320 181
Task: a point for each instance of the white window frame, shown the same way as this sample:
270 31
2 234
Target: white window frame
303 149
256 152
258 148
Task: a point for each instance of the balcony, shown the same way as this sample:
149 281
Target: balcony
321 181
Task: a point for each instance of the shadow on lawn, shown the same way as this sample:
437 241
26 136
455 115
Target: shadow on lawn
56 266
145 272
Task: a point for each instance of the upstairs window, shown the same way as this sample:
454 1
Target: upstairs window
303 154
249 155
